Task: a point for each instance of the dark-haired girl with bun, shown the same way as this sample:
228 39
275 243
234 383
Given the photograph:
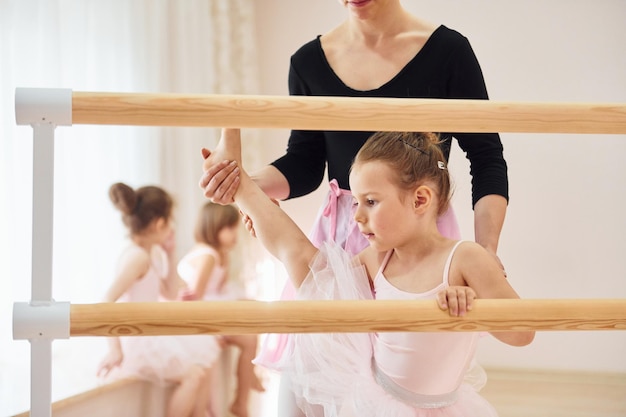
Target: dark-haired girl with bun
146 273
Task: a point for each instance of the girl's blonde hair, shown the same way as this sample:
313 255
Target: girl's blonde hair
142 206
414 157
211 220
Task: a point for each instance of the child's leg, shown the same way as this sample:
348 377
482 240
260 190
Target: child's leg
203 405
246 377
183 401
227 149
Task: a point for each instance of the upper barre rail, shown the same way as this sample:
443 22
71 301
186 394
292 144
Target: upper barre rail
254 317
346 113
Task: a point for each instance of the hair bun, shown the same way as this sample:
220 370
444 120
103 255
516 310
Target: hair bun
431 138
123 197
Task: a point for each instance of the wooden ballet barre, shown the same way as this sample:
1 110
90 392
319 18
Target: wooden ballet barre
346 113
254 317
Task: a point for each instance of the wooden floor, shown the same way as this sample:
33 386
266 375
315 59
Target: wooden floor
525 393
514 393
556 394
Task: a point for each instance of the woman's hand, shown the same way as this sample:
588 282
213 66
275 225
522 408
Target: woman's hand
220 181
458 300
220 177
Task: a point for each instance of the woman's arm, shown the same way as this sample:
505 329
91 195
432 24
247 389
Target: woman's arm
489 213
272 182
490 189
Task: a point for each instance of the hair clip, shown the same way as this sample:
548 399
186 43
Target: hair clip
413 146
441 165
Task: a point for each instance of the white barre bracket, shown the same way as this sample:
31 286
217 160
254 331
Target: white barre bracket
41 320
36 106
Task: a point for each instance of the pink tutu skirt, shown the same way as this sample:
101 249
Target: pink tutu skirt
335 374
335 224
162 359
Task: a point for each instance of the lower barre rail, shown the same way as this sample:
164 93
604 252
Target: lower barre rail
255 317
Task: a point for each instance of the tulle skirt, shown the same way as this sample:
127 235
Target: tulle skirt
334 374
163 359
335 223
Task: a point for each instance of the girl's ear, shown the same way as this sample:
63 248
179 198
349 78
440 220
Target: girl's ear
422 199
160 223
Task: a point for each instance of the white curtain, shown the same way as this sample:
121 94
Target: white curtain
88 45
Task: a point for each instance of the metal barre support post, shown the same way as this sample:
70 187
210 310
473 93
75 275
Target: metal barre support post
42 320
253 317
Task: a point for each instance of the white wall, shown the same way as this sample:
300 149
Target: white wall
564 234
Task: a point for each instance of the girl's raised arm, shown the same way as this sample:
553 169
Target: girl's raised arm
276 230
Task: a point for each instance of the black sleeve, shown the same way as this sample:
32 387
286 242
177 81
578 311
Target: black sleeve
484 150
304 163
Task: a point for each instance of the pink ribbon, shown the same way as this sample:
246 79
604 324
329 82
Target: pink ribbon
331 206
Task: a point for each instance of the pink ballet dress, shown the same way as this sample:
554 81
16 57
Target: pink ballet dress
218 288
335 223
161 358
393 374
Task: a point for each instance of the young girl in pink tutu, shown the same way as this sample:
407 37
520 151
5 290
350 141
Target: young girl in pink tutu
400 186
144 275
205 270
